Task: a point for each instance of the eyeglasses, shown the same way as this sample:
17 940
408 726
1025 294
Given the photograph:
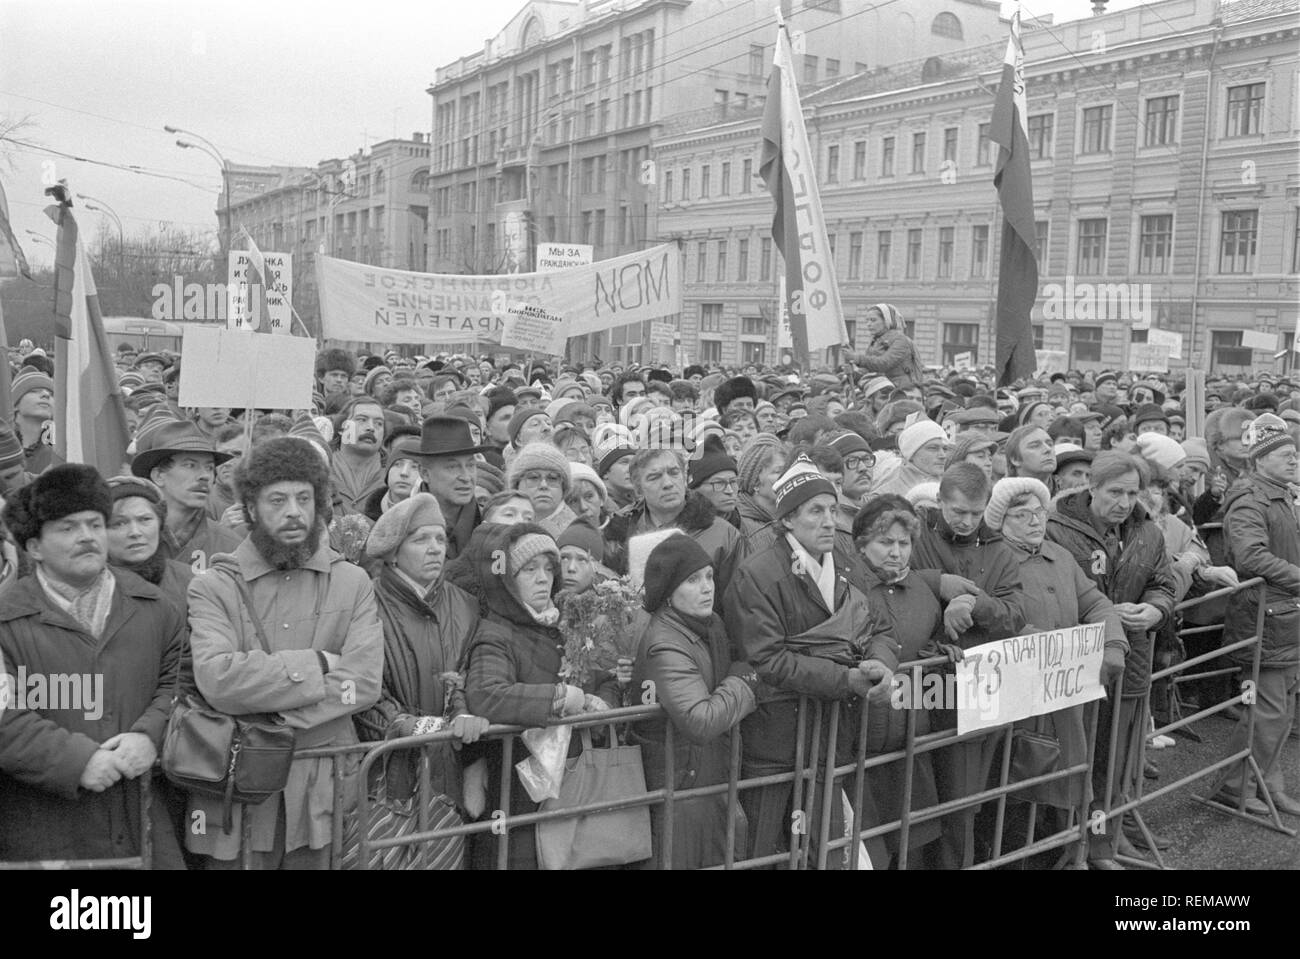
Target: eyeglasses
861 462
1028 515
538 477
719 486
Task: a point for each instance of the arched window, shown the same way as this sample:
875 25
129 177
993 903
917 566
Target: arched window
532 33
946 25
379 182
932 69
419 182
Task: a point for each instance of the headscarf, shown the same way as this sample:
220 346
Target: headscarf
893 318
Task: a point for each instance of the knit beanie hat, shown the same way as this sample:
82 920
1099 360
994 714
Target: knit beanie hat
498 397
632 408
11 450
27 381
122 487
610 443
374 375
924 494
527 547
130 380
710 463
392 528
848 443
1162 450
875 384
522 416
554 407
572 411
1148 414
671 563
581 471
582 534
966 444
539 456
917 435
1265 434
752 459
800 483
489 477
1197 452
1006 491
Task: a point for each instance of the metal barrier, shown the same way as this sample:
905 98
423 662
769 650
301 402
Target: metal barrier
143 861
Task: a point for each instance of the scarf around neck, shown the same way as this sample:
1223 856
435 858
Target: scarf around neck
89 606
822 574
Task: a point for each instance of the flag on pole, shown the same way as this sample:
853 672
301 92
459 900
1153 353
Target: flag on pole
788 167
1017 266
90 421
12 264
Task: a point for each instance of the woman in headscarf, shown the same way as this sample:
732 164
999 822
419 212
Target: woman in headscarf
888 351
134 534
427 624
684 658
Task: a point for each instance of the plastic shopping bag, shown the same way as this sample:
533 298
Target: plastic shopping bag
543 770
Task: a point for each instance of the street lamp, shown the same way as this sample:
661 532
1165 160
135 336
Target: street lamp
208 147
103 207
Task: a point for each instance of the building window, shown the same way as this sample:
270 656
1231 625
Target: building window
887 156
704 181
918 152
1040 136
1295 244
1041 230
979 251
984 148
809 69
946 25
855 256
1096 130
746 176
960 338
860 160
1037 329
1245 104
701 261
668 186
721 100
710 317
686 184
1085 345
742 260
833 164
765 262
710 351
752 353
832 68
757 62
913 254
950 145
725 185
884 240
753 326
945 252
1226 350
1161 121
722 261
1155 243
1090 260
1237 246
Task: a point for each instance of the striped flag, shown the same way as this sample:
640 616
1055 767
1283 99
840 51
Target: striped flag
90 421
1017 267
788 167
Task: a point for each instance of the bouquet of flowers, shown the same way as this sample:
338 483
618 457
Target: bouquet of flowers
348 535
598 629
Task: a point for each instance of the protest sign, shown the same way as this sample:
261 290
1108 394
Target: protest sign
1148 357
662 334
1012 679
242 305
533 329
1050 361
964 361
1255 340
373 304
240 369
1172 341
561 256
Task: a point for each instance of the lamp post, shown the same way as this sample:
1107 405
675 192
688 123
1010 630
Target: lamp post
208 147
99 206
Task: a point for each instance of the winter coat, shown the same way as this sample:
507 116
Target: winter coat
1262 524
757 525
704 703
326 605
766 605
1128 567
985 560
699 520
44 812
206 540
893 355
352 487
425 636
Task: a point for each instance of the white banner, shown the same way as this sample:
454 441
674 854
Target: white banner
1012 679
374 304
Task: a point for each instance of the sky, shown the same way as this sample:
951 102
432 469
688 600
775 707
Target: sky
268 81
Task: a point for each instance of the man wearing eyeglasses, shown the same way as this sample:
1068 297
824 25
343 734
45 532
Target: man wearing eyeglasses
714 475
858 464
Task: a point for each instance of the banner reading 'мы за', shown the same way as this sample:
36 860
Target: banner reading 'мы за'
373 304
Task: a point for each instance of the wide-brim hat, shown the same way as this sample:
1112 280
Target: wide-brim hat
180 436
445 436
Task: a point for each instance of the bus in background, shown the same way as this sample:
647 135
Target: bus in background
145 334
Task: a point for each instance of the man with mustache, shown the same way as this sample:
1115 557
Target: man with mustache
71 757
181 462
357 469
284 625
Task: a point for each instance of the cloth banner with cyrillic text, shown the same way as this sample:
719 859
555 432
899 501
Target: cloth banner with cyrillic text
1012 679
373 304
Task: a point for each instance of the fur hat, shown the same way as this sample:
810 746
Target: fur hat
733 388
56 493
539 456
392 528
335 359
1006 491
284 459
1225 423
670 564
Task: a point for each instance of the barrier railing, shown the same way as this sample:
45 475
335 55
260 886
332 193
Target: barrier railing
144 790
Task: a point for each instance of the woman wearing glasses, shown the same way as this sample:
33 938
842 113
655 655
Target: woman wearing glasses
541 471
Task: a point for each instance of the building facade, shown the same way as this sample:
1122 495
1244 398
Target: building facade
1164 140
547 133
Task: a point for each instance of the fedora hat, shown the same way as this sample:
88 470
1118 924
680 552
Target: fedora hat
445 436
179 436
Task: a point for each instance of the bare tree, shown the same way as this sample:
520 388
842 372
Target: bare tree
15 131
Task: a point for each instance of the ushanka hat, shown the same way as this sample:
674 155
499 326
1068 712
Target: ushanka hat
58 492
1265 434
798 484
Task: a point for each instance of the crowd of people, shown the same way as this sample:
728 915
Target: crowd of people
418 551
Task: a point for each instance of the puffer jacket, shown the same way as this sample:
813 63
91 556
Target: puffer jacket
893 355
1262 524
1129 567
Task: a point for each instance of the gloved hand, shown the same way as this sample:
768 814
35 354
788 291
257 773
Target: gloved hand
594 704
951 586
623 671
878 676
1112 665
743 671
574 700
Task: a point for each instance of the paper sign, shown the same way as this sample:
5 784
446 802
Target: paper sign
561 256
243 304
1254 340
1148 357
241 369
1173 341
1050 361
532 328
1012 679
662 334
963 361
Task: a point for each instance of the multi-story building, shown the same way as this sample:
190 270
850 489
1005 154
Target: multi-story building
1164 142
371 207
546 133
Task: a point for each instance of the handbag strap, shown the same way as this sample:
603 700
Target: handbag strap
247 598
